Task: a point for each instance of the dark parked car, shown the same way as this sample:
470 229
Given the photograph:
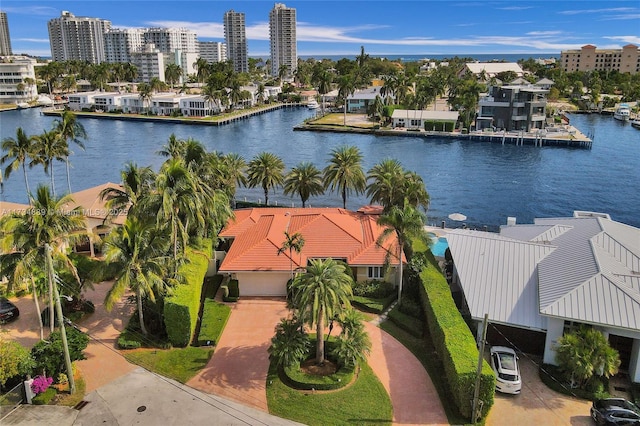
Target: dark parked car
615 411
8 311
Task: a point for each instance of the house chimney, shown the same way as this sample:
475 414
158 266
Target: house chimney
511 221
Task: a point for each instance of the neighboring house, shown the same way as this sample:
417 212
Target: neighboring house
80 100
544 83
255 235
513 108
14 70
538 281
359 101
490 69
108 101
438 120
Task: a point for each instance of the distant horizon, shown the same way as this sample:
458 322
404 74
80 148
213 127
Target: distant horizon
331 28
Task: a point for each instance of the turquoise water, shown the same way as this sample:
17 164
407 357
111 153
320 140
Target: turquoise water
440 246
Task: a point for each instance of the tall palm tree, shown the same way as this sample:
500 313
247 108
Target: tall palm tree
405 223
174 148
414 191
138 252
305 179
324 84
136 184
172 73
49 146
344 172
346 87
323 292
49 224
235 168
70 130
210 95
145 93
292 242
202 69
17 152
385 182
265 169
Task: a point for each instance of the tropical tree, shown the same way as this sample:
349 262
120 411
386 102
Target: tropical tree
202 69
17 152
172 73
290 345
136 184
346 87
404 223
48 147
344 172
265 169
385 183
70 130
292 242
174 148
234 168
145 93
323 292
305 179
15 360
324 80
137 251
353 343
584 354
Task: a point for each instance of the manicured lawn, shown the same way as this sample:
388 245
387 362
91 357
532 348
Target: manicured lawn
376 306
180 364
337 119
426 355
364 403
214 319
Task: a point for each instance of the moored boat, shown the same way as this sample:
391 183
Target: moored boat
623 112
313 104
636 123
23 105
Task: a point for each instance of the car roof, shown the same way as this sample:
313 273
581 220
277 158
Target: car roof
502 349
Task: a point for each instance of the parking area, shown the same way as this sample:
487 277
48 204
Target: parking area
537 404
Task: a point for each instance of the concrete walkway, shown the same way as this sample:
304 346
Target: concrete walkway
239 365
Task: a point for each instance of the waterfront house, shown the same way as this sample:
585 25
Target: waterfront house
133 104
443 121
84 100
108 102
487 70
254 236
17 80
512 108
544 83
198 106
359 101
538 281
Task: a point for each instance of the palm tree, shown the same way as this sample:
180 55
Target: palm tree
172 73
385 182
324 84
305 179
17 151
210 94
70 129
346 87
202 69
49 146
292 242
353 343
323 292
49 224
138 252
290 345
235 168
414 191
344 172
145 93
265 169
174 148
405 223
136 184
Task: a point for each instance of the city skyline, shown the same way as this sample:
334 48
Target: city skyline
340 28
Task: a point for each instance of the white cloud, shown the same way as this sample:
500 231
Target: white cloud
32 52
203 29
31 10
515 8
581 11
634 39
626 16
33 40
544 33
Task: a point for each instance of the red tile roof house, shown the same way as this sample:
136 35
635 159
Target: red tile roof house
256 234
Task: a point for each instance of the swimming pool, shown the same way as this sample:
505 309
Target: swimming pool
440 245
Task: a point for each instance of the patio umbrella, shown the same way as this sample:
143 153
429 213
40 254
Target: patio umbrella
459 217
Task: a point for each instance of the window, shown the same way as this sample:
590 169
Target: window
375 272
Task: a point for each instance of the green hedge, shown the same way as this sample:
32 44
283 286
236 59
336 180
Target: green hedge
182 307
369 304
454 343
231 291
294 377
214 318
411 325
437 126
45 397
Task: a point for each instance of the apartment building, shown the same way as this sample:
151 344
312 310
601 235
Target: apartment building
78 38
5 40
120 43
212 51
150 63
513 108
17 80
282 35
236 40
590 58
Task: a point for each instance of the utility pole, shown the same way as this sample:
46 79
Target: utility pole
476 389
63 331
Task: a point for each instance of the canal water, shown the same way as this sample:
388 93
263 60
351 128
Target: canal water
486 182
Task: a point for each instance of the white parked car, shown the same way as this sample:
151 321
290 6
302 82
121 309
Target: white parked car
504 362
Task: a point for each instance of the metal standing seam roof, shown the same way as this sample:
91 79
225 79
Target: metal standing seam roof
499 276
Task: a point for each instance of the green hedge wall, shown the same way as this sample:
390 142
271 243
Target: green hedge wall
182 307
231 291
437 126
454 343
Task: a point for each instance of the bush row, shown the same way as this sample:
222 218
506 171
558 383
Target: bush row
411 325
231 291
294 377
439 126
375 289
182 307
454 343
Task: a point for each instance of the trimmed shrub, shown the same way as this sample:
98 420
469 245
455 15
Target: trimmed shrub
294 377
375 289
182 307
454 343
231 291
408 323
129 340
376 306
438 126
45 397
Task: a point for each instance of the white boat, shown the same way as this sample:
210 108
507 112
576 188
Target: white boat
622 113
313 105
23 105
636 123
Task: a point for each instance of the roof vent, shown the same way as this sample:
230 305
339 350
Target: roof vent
511 221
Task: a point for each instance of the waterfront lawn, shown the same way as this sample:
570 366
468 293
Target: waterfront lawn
179 364
337 119
363 403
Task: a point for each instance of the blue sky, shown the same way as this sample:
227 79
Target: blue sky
382 27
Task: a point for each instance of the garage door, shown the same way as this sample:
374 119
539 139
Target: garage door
263 283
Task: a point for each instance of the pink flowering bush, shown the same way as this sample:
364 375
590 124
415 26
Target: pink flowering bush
41 384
